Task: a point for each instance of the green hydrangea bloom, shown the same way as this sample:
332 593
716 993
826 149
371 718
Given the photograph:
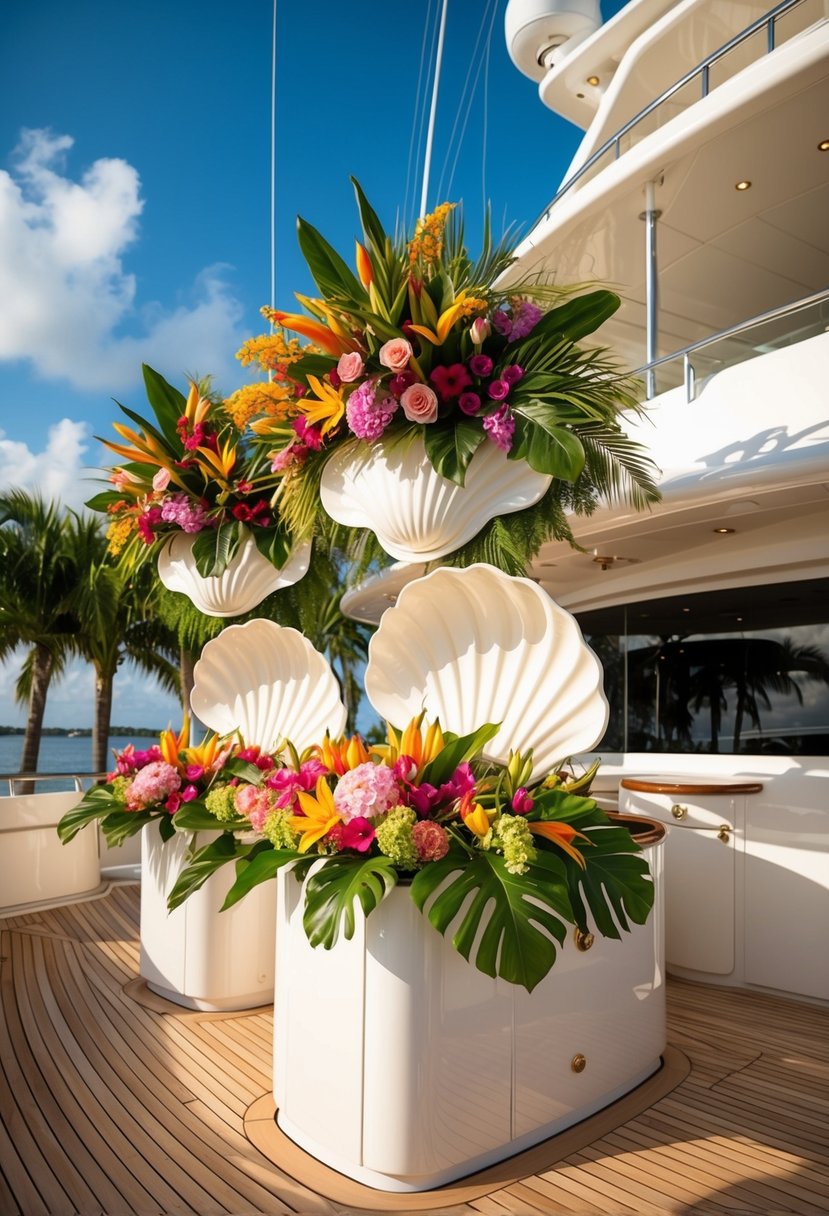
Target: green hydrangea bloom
278 831
120 785
220 801
511 834
394 837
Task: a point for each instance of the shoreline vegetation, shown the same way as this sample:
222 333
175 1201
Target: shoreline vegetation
86 731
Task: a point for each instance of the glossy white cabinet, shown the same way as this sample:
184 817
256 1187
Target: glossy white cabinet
35 868
402 1066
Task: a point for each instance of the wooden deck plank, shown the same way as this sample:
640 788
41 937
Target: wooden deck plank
109 1106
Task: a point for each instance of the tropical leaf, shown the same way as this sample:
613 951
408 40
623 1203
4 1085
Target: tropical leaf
450 449
578 317
274 544
260 864
195 817
507 924
547 448
458 749
96 804
373 230
617 883
215 548
204 862
167 402
331 891
331 274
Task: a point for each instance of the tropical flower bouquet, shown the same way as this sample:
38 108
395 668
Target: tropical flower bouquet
153 785
193 471
425 343
476 842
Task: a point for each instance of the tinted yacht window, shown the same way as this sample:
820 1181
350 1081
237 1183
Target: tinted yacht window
741 671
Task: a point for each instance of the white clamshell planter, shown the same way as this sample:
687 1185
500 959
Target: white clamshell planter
35 868
269 683
429 1070
197 956
248 579
417 515
477 645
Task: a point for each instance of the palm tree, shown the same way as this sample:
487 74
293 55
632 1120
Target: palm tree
116 621
37 577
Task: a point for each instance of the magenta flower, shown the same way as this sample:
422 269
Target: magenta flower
513 373
525 317
181 510
399 383
522 803
450 381
498 390
500 427
480 365
357 834
469 403
309 435
189 793
368 412
194 772
147 523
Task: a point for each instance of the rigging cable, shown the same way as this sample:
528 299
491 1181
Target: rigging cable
427 160
417 117
468 96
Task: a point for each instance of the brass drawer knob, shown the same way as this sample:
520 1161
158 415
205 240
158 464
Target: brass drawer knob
679 812
583 940
578 1063
723 833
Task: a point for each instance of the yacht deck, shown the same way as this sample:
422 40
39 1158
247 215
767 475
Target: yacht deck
114 1101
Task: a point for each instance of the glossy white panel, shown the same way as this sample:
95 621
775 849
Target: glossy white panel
787 898
198 956
34 866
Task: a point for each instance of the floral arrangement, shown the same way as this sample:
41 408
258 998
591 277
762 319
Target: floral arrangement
423 341
153 785
193 469
423 809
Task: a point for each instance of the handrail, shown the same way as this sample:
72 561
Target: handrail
702 69
685 352
12 778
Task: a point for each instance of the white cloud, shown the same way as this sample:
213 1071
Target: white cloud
57 472
63 287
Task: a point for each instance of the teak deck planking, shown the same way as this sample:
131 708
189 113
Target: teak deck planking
114 1102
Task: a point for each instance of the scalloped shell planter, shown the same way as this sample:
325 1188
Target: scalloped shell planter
431 1070
248 579
197 956
417 515
477 645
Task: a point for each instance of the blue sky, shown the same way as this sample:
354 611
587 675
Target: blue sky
135 187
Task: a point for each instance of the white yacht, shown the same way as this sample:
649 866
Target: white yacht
700 193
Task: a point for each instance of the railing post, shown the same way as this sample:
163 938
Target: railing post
650 215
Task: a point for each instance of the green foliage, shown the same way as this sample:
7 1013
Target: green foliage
332 889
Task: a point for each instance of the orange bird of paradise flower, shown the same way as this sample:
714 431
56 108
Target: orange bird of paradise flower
321 815
561 834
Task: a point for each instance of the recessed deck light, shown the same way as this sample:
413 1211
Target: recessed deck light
823 146
594 80
743 185
723 531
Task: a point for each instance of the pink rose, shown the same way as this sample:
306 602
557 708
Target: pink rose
420 403
395 354
350 367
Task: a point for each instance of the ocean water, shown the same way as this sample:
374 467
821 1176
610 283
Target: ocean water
62 754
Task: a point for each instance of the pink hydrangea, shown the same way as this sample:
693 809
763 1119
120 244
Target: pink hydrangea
181 510
152 784
367 412
254 802
366 791
430 840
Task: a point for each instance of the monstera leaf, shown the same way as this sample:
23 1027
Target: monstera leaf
332 890
523 915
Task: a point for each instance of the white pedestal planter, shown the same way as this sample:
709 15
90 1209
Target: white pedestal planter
402 1066
35 868
198 956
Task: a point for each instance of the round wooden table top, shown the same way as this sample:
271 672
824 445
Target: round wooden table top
690 785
